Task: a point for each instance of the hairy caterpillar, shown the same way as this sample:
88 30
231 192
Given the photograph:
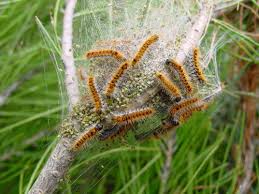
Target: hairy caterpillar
182 73
116 76
94 93
114 132
197 67
143 48
169 85
186 102
132 117
104 53
187 112
87 135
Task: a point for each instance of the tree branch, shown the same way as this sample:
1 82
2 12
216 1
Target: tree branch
71 81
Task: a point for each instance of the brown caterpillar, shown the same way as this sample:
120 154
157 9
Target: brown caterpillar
187 112
187 102
104 53
115 77
94 93
132 117
121 132
197 67
87 135
169 85
143 48
182 74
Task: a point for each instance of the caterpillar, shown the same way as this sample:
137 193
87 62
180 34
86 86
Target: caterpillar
94 93
182 74
169 85
80 74
103 53
197 67
114 132
87 135
167 125
116 76
187 112
173 109
152 39
132 117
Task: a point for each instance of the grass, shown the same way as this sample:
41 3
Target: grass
207 157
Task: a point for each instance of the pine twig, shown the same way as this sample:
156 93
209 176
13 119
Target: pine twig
167 163
249 82
15 85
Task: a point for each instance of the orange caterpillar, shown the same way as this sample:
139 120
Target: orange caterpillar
182 73
103 53
132 117
197 67
80 74
187 102
94 93
116 76
169 85
187 112
121 132
87 135
143 48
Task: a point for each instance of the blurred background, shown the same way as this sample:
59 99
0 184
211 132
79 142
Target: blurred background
213 152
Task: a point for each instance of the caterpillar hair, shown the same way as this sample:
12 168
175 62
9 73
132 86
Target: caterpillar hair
104 53
184 103
132 117
94 93
187 112
152 39
115 77
86 136
169 85
182 74
197 67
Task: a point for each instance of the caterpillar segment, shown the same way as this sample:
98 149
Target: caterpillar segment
85 137
182 104
197 66
106 53
116 131
115 78
184 77
131 117
185 113
94 93
169 86
152 39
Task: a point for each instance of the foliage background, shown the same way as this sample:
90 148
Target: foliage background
209 153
